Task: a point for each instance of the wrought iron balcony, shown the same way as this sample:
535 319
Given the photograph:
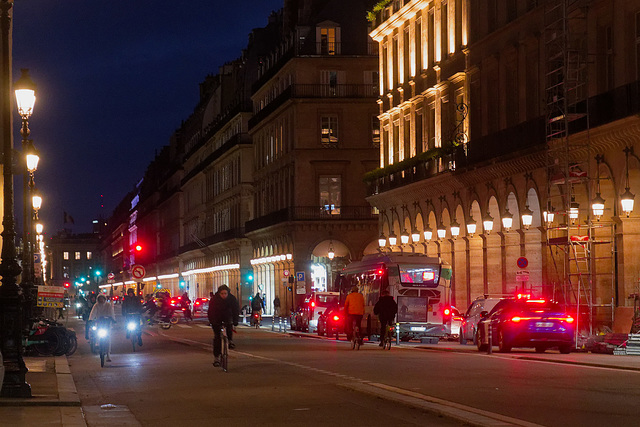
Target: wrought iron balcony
313 213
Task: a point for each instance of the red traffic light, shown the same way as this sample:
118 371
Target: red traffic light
138 247
67 284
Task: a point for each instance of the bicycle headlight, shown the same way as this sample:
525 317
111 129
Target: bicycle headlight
102 333
131 326
94 328
78 305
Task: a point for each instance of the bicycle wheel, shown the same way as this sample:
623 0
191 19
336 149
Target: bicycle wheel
48 343
72 344
224 358
174 319
102 358
134 338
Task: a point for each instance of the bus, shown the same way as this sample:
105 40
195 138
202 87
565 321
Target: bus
416 283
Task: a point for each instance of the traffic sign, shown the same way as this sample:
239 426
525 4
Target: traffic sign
300 276
522 262
522 275
138 272
285 273
111 276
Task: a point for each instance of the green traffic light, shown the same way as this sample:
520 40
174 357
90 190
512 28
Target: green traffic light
98 273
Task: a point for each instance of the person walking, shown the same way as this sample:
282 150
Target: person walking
386 309
223 311
354 310
276 307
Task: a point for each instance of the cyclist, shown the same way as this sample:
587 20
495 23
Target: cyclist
223 310
131 309
103 308
386 309
354 310
256 305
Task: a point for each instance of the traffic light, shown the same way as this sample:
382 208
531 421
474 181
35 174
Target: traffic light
67 284
248 277
446 314
138 248
181 282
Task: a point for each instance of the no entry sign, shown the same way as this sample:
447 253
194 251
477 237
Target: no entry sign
138 272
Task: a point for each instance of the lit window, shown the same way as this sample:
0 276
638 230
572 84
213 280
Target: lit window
328 45
77 255
65 255
330 193
89 255
329 130
375 130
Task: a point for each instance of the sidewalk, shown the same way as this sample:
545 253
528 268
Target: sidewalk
54 400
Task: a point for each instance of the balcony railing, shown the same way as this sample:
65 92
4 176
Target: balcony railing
315 91
313 213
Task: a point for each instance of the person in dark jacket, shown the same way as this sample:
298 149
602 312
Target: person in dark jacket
223 310
386 309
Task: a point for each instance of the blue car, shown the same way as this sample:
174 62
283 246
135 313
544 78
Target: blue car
526 323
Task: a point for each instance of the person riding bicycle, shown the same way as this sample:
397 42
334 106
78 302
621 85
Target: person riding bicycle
256 305
353 310
386 309
103 308
131 310
185 305
223 310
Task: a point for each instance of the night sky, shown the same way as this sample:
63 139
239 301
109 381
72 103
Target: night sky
115 79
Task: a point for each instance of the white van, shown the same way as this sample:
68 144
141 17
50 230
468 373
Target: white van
316 303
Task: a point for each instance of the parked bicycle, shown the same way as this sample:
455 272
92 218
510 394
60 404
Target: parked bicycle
50 338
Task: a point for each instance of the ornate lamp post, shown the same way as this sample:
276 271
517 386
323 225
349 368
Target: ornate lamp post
11 298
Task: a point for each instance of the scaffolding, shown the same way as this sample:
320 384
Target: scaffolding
582 250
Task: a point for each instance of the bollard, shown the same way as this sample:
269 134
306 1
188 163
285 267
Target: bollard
273 323
490 349
397 333
279 324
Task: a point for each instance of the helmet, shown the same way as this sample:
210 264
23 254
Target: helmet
354 289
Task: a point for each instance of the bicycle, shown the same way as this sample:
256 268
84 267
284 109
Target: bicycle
134 330
224 355
356 339
388 338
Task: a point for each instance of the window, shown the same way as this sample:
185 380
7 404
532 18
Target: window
396 142
329 130
77 255
418 133
328 45
407 152
65 255
418 47
430 39
89 255
375 130
444 25
432 125
396 75
406 57
330 193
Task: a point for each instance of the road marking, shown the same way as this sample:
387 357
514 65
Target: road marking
204 326
183 326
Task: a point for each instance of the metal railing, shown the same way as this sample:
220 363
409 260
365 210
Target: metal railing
313 213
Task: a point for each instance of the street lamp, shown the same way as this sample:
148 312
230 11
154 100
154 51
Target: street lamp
527 217
442 232
428 234
415 235
382 240
574 210
404 237
487 223
626 198
455 229
331 254
507 220
471 226
392 239
11 299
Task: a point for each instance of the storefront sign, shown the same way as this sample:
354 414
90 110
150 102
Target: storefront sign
50 296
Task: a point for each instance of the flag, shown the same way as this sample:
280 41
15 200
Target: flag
68 218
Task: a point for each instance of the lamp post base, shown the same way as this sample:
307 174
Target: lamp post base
14 383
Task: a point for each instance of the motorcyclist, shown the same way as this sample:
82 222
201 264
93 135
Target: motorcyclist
166 311
353 309
223 310
386 309
150 306
101 309
131 311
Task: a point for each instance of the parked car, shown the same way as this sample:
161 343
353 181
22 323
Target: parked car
470 319
201 306
534 323
313 306
331 321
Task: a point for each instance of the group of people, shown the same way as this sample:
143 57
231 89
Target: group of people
386 309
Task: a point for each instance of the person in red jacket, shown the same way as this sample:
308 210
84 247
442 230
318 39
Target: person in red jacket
353 310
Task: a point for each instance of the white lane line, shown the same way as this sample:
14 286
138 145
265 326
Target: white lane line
204 326
183 326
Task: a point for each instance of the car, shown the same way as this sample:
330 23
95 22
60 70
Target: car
470 319
536 323
331 321
313 306
201 306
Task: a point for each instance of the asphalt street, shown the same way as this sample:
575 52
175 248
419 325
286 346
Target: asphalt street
279 379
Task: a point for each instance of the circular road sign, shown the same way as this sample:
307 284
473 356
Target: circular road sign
286 273
522 262
111 276
138 272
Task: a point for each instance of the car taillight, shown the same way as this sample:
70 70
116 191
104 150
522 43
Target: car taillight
197 303
313 304
446 312
336 318
458 318
569 319
516 319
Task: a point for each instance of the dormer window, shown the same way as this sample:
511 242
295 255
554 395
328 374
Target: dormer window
328 38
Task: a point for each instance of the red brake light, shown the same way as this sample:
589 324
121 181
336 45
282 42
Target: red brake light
197 302
313 304
516 319
336 318
569 319
537 301
380 271
447 311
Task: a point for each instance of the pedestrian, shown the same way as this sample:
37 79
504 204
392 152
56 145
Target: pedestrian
223 311
276 307
386 309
